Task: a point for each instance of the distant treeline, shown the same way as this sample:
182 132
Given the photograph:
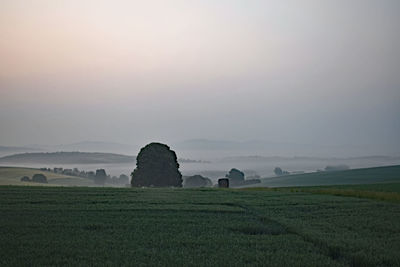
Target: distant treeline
98 177
76 158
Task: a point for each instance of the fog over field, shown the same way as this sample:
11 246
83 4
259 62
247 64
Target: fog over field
235 78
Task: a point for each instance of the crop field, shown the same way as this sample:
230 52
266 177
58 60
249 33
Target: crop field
381 191
86 226
381 187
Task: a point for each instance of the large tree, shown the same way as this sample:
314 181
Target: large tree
39 178
100 177
156 165
236 177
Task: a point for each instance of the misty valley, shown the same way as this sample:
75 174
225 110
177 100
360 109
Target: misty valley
85 164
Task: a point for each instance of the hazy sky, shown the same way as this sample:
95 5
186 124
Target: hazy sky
306 71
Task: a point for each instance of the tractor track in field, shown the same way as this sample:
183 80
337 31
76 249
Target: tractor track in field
335 253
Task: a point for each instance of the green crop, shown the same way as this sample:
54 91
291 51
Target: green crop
51 226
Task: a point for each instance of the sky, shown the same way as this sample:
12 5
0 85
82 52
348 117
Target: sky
304 72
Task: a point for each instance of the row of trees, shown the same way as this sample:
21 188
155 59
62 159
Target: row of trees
99 177
278 171
36 178
102 178
341 167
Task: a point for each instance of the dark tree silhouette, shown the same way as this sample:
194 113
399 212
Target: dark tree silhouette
25 179
278 171
223 183
235 176
100 177
156 165
39 178
123 179
197 181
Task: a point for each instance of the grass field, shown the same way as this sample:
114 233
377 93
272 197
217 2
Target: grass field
86 226
12 176
356 176
383 191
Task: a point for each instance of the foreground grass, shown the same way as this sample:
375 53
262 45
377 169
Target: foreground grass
384 191
187 227
374 191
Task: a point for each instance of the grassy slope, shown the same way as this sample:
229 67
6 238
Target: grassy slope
383 192
12 176
387 190
356 176
188 227
382 187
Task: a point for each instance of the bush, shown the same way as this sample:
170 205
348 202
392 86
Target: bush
100 177
39 178
123 179
25 179
278 172
223 183
156 165
197 181
236 177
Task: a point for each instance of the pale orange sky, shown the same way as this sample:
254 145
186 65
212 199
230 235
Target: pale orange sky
86 39
267 64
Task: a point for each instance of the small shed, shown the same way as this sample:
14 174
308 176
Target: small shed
223 183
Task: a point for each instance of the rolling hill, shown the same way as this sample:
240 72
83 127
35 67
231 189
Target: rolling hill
75 158
12 176
356 176
67 158
90 146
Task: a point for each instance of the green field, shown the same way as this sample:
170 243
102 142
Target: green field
356 176
384 191
12 176
41 226
325 225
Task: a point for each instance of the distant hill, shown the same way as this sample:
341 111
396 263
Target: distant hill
7 149
75 158
250 145
67 158
355 176
257 158
219 148
205 144
91 146
12 176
